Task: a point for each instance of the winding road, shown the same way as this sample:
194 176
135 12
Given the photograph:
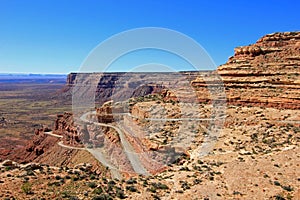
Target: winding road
115 172
129 150
132 156
60 143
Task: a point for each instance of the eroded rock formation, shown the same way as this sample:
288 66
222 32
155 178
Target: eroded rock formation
64 125
266 73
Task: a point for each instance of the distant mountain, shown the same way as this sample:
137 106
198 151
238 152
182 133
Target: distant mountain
32 78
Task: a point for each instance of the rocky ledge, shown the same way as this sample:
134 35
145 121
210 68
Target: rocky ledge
266 73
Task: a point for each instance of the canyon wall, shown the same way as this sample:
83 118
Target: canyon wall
263 74
266 73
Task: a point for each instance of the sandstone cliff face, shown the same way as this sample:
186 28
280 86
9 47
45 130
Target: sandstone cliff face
64 125
266 73
107 84
122 86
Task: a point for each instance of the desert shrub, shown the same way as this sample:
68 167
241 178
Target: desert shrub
200 162
131 188
7 168
197 181
111 182
54 183
73 198
75 178
83 176
152 189
98 191
156 197
276 183
236 193
102 197
26 188
62 181
160 186
145 183
120 194
26 179
266 176
184 169
279 197
67 177
92 177
65 194
30 173
92 184
185 185
131 181
287 188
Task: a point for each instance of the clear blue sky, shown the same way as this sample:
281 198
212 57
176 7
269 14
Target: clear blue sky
55 36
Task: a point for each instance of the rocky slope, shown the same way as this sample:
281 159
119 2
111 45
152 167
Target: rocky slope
62 148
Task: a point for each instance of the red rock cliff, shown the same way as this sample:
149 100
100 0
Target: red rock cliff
266 73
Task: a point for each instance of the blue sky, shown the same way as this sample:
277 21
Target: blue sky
55 36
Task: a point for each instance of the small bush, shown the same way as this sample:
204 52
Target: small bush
75 178
279 197
120 194
26 188
8 168
26 179
98 191
30 173
287 188
92 177
73 198
197 181
160 186
65 194
131 188
276 183
111 183
92 184
131 181
152 189
102 197
67 177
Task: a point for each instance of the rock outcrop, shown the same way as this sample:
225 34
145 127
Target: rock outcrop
64 125
266 73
